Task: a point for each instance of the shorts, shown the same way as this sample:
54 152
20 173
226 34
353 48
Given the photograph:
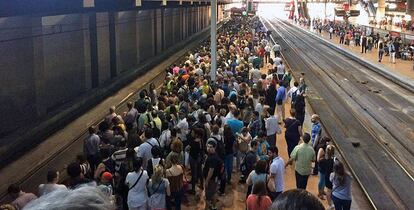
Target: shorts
211 189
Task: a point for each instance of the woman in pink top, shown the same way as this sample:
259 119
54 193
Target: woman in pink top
258 200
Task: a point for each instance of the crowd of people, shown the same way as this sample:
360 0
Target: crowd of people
194 137
352 35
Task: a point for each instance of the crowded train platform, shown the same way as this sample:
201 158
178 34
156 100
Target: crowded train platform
192 138
297 114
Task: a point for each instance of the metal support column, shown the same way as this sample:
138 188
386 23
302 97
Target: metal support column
93 43
112 44
381 10
155 35
213 40
410 9
162 29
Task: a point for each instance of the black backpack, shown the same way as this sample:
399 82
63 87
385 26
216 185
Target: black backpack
220 148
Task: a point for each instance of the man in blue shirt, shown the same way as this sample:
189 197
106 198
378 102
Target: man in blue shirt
280 100
235 124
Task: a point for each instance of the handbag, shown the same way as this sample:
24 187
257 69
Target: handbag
154 199
270 185
242 145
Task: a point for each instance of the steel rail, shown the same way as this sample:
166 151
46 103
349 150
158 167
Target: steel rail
289 38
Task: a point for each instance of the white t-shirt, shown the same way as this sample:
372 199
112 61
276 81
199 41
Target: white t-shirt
255 75
144 151
47 188
291 91
277 60
277 168
183 126
137 196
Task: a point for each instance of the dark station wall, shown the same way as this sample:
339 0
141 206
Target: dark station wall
47 62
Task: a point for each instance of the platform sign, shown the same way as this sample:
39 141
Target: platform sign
138 3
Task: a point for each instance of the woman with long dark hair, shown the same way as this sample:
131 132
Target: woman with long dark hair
258 200
341 189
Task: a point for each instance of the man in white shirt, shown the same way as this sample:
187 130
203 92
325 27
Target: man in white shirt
246 51
255 75
276 61
51 185
272 127
277 172
267 53
280 71
276 48
183 126
144 150
293 92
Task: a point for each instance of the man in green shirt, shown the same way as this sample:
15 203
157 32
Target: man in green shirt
303 154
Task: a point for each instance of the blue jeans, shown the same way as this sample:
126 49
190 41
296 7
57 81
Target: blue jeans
228 166
321 183
341 204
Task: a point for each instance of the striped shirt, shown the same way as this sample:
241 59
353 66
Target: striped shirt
119 157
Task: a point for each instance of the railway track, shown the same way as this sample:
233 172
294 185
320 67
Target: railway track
370 118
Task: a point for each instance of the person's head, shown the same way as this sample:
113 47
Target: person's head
158 174
261 167
142 94
253 145
315 118
112 109
52 176
324 141
211 147
273 151
297 199
129 105
84 197
306 138
14 190
74 170
215 129
137 164
330 151
148 133
92 129
177 146
292 112
175 158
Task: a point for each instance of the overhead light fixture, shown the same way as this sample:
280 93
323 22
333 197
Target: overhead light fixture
88 3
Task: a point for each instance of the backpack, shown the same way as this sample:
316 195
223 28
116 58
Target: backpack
220 148
156 133
294 96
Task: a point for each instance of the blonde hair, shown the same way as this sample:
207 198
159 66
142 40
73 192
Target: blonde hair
158 174
330 151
